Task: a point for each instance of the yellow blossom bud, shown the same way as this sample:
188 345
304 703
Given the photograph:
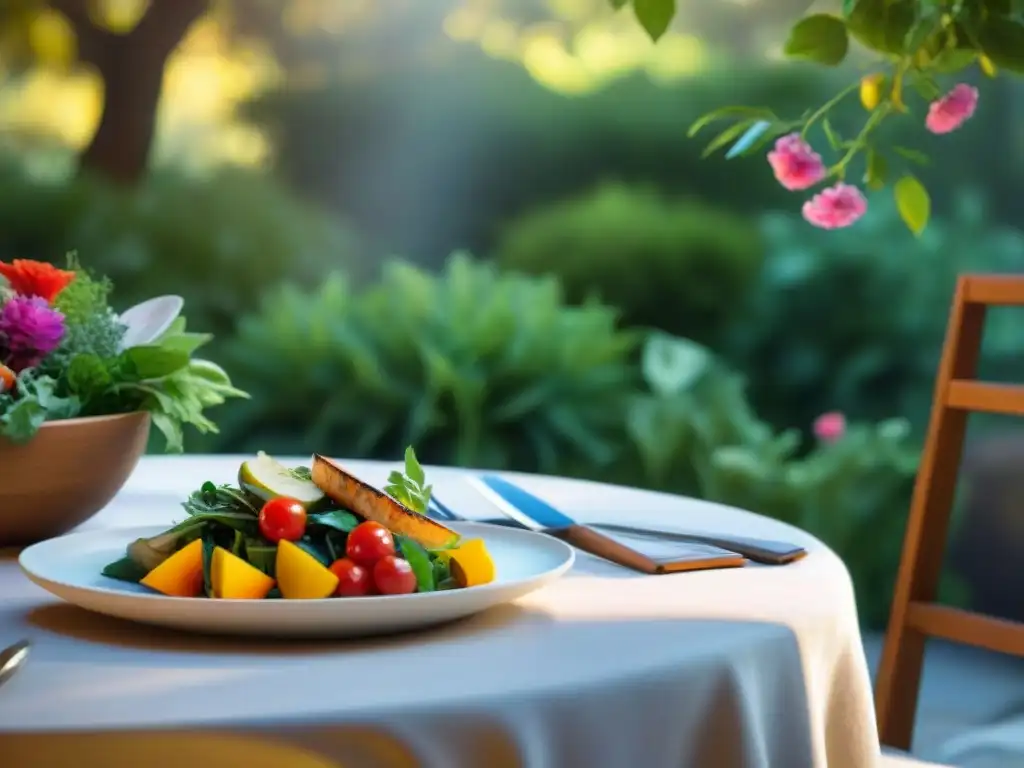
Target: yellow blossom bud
871 91
987 66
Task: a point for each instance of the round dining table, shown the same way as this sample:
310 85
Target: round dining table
752 667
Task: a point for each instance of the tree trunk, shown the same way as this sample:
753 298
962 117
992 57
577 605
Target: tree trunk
131 67
132 82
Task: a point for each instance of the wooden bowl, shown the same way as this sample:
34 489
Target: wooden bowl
66 474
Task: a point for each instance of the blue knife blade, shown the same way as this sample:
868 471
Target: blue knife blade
522 506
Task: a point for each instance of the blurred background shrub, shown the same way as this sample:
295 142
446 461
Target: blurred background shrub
473 367
680 266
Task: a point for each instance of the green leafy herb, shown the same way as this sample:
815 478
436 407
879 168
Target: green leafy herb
35 402
301 473
441 570
209 544
338 519
408 488
317 548
261 554
222 500
91 326
125 569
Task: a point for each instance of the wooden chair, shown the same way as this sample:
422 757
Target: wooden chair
915 614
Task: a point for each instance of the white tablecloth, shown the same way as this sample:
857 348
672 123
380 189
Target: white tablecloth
742 668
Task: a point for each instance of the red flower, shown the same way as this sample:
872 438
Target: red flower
36 278
7 378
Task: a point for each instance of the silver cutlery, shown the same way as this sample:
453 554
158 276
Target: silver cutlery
12 659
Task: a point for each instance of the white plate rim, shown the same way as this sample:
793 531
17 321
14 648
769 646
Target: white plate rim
131 533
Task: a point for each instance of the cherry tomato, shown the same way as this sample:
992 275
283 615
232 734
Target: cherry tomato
394 576
353 580
282 518
369 542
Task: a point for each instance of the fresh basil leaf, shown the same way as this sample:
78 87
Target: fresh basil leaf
413 470
338 519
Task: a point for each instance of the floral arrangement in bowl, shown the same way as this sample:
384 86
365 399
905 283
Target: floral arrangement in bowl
65 353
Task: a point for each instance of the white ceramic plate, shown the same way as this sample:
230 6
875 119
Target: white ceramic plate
69 567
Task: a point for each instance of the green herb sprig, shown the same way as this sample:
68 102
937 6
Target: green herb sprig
409 488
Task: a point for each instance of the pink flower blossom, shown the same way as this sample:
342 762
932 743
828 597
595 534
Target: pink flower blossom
835 207
29 330
830 427
795 164
952 110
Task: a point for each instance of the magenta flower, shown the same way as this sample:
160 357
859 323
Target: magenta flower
835 207
830 427
29 330
952 110
795 164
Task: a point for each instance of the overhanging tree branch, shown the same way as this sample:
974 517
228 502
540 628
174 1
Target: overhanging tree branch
165 23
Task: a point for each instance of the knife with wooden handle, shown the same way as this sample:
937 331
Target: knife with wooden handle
644 555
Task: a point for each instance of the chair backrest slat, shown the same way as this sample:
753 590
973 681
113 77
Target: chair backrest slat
915 614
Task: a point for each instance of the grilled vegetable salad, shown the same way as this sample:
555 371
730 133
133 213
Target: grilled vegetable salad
306 533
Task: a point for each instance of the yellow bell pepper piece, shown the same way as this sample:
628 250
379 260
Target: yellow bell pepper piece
471 564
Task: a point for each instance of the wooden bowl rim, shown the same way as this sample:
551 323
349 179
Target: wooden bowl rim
87 420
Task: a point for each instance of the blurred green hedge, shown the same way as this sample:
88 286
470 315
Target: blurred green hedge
473 367
220 241
682 267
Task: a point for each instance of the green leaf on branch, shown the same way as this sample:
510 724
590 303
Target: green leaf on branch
724 113
820 38
834 139
953 60
913 203
881 25
619 4
1002 41
655 16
